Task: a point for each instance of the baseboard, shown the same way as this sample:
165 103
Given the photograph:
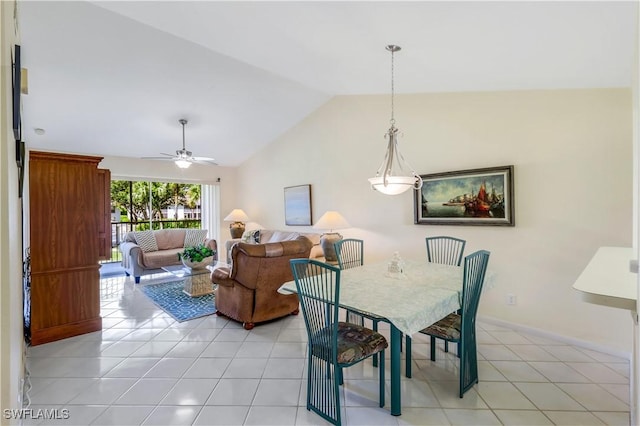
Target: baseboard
559 337
63 331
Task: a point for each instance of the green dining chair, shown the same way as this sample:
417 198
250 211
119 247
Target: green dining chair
332 344
461 327
445 250
350 254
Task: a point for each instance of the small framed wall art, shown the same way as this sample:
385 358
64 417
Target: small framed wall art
466 197
297 205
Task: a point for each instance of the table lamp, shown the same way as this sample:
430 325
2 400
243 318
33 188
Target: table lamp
237 218
331 221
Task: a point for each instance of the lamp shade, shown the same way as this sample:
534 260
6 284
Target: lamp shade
237 215
331 220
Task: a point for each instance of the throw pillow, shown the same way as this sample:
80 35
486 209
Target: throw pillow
194 237
251 237
146 240
247 237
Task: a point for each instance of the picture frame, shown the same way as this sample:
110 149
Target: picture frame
297 205
482 196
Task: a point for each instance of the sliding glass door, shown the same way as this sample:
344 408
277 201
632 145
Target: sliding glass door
143 205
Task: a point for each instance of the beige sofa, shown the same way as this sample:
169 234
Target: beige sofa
263 236
145 252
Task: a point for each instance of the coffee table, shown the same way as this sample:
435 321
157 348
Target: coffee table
197 282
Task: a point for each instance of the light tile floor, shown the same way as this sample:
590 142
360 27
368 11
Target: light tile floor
144 368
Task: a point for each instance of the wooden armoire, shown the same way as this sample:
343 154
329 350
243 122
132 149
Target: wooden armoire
68 212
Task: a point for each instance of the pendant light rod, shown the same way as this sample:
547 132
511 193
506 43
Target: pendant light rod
393 49
183 121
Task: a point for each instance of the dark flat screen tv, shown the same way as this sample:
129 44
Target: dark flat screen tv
15 72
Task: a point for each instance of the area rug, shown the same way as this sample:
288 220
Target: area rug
182 307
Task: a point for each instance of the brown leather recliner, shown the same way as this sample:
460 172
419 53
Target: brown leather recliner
249 292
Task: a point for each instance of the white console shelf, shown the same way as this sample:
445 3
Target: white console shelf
607 279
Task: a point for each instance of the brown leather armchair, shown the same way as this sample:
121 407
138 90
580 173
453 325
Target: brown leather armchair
249 291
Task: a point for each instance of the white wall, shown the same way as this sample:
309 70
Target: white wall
11 340
635 372
573 188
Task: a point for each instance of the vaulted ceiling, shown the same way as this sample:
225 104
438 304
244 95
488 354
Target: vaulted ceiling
113 78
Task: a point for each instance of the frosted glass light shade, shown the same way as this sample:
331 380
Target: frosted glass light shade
183 164
237 215
395 184
331 220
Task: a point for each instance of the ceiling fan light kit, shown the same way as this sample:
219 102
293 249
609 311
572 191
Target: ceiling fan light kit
183 157
183 164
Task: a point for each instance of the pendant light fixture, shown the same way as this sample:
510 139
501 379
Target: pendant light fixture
395 175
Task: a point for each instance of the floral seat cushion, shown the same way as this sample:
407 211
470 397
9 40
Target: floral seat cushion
448 328
354 343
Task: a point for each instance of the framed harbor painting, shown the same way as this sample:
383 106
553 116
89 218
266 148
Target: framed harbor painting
297 205
466 197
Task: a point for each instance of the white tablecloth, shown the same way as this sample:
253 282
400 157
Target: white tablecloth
424 294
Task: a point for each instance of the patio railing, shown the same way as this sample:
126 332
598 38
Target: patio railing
120 229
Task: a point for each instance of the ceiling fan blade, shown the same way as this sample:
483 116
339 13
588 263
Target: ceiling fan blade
158 158
168 157
183 154
204 160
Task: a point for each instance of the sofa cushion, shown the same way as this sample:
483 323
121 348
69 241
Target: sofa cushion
315 238
146 240
170 238
279 236
160 258
263 236
194 237
316 251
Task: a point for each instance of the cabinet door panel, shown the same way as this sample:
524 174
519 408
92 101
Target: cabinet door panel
104 214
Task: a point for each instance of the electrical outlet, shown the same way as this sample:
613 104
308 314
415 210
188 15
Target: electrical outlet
511 299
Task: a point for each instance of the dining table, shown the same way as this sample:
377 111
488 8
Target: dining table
421 294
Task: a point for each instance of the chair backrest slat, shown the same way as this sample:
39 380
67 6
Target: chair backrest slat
475 268
350 252
445 250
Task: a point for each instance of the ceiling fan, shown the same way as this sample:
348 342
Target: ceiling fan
184 158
